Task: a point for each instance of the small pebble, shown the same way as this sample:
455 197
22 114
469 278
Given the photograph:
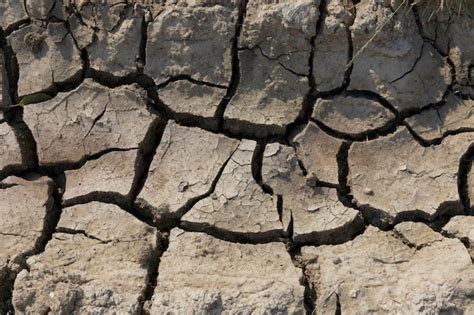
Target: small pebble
368 191
183 186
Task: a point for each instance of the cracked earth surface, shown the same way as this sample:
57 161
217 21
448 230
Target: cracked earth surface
236 156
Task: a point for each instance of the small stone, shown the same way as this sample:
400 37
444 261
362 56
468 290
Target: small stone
368 191
312 181
354 293
183 186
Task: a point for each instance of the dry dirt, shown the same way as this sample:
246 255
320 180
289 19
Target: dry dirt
236 157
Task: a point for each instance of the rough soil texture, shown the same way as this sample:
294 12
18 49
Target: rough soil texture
236 157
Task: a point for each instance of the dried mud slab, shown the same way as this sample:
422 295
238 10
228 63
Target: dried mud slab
282 30
12 13
88 120
332 47
462 227
74 274
238 203
318 153
275 46
268 98
25 208
313 213
112 172
10 151
186 163
46 56
352 115
396 177
192 100
215 276
176 48
455 115
396 64
416 234
111 34
378 273
448 29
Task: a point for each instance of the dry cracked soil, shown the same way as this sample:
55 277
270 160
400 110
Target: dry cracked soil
236 157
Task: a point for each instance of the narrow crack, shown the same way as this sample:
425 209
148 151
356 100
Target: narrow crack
235 76
153 271
338 305
192 201
84 233
172 220
415 63
17 26
186 77
464 240
310 294
232 236
58 167
432 42
141 60
465 167
437 107
11 66
388 128
146 153
109 197
98 117
274 59
257 161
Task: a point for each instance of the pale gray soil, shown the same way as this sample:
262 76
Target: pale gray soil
236 157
